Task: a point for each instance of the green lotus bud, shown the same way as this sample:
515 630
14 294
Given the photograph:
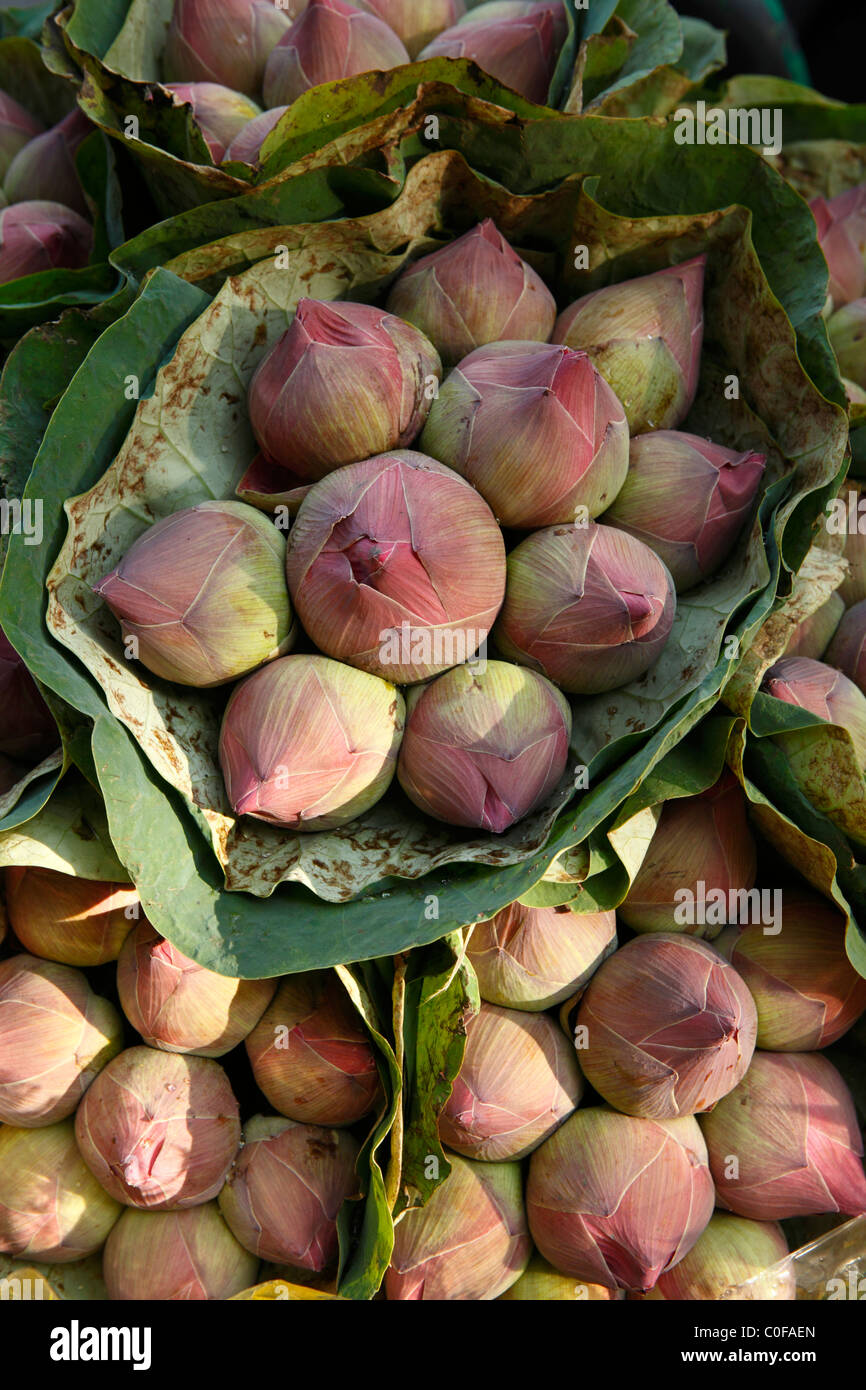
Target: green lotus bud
220 113
847 333
330 40
812 636
541 1283
520 51
247 145
71 920
818 688
534 958
42 236
730 1251
417 22
45 167
51 1207
17 129
228 42
191 1255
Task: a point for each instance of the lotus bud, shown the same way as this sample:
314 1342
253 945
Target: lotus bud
645 336
329 41
700 864
667 1028
616 1200
535 429
283 1195
27 727
847 333
842 236
543 1284
220 113
519 9
56 1035
51 1207
483 750
177 1005
17 129
812 636
417 22
203 593
590 607
345 382
847 650
311 1055
42 236
189 1256
806 990
520 52
730 1251
786 1142
856 394
309 743
75 921
246 146
818 688
474 292
45 167
469 1242
228 43
534 958
397 566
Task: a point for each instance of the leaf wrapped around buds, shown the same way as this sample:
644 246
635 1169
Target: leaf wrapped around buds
541 1283
309 743
330 40
786 1142
668 1028
842 236
533 958
536 429
17 128
474 292
847 650
51 1206
228 43
823 691
311 1055
188 1256
27 728
483 750
731 1251
45 167
645 336
590 607
346 382
220 113
417 22
75 921
397 566
847 333
469 1242
247 145
283 1194
616 1200
520 51
204 594
812 636
42 236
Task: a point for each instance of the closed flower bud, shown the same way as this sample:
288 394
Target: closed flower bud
700 863
283 1195
42 236
533 958
311 1055
730 1251
668 1028
56 1035
416 22
818 688
518 9
616 1200
541 1283
847 651
535 429
847 333
645 336
345 382
519 51
45 167
178 1006
469 1242
228 43
159 1131
309 743
812 636
220 113
474 292
75 921
483 750
786 1142
397 566
17 128
588 606
188 1256
329 41
842 235
204 595
51 1207
27 728
247 145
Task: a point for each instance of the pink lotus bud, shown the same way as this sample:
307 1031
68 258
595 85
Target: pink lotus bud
417 22
345 382
812 636
847 651
590 607
700 865
468 1243
668 1028
17 129
645 336
687 499
534 958
474 292
56 1035
842 235
178 1006
159 1131
847 333
786 1142
27 727
42 236
283 1194
227 43
483 750
247 145
187 1256
204 595
541 1283
616 1200
71 920
730 1251
520 52
311 1055
51 1207
518 9
220 113
806 990
397 566
816 687
535 429
45 167
329 41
